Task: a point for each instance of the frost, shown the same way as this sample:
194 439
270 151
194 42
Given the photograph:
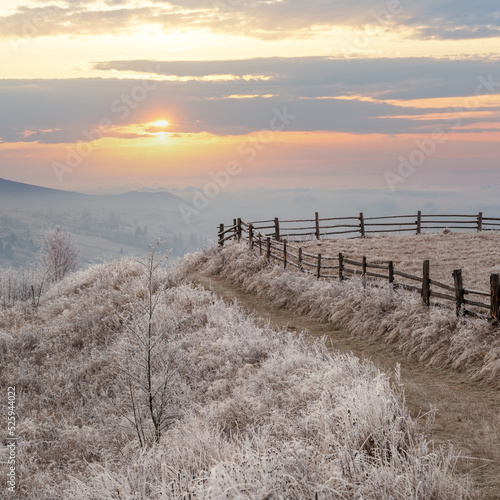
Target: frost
262 413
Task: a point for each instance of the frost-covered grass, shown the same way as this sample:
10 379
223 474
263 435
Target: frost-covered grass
477 254
261 413
434 335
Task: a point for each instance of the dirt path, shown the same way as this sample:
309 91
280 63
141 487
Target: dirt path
467 414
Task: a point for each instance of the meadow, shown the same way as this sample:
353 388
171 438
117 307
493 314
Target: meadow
477 254
435 336
246 411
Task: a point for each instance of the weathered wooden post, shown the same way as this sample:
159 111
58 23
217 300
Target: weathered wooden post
318 272
362 224
364 271
276 229
419 222
495 297
316 217
480 222
260 243
426 283
300 259
391 272
235 224
459 290
250 235
239 229
284 254
341 267
221 235
268 252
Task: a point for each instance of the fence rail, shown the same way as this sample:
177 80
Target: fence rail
280 249
323 228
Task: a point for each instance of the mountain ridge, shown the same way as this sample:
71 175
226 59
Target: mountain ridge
32 192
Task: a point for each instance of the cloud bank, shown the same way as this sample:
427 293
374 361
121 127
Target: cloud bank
360 97
263 19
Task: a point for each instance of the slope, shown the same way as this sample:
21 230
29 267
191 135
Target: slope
466 414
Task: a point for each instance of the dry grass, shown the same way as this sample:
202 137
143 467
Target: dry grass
262 412
477 254
436 336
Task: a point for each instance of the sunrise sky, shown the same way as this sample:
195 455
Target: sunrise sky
394 94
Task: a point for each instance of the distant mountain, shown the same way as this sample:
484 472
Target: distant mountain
18 194
16 189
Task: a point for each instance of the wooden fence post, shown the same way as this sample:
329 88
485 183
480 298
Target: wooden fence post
235 224
284 254
362 224
318 272
341 267
268 249
426 283
276 229
221 235
364 271
316 216
480 221
391 272
459 290
495 297
419 222
260 243
239 230
250 235
300 259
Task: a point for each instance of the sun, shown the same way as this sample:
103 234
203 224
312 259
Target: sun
160 123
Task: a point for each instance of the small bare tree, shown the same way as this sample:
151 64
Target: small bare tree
147 360
59 254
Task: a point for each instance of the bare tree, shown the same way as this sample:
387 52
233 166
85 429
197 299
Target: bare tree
148 361
59 254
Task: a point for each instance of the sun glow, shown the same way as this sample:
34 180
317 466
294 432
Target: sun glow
160 123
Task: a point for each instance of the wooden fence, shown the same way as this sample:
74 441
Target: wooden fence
277 248
361 226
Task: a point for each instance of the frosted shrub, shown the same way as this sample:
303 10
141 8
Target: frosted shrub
435 335
293 422
259 412
26 285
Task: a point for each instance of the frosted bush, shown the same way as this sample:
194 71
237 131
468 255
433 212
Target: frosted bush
435 335
260 413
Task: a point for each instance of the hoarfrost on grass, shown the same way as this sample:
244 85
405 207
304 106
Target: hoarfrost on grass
477 254
261 412
435 335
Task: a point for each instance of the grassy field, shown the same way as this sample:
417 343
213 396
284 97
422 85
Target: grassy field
252 412
477 254
434 335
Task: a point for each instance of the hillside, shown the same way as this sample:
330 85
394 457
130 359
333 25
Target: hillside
104 226
247 411
435 335
464 413
477 254
18 194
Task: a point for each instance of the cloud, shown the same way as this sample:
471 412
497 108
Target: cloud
323 94
263 19
409 77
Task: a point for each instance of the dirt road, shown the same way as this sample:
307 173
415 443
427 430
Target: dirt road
467 414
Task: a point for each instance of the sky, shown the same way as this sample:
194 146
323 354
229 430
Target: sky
282 94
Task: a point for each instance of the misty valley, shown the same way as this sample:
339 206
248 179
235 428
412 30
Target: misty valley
103 227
